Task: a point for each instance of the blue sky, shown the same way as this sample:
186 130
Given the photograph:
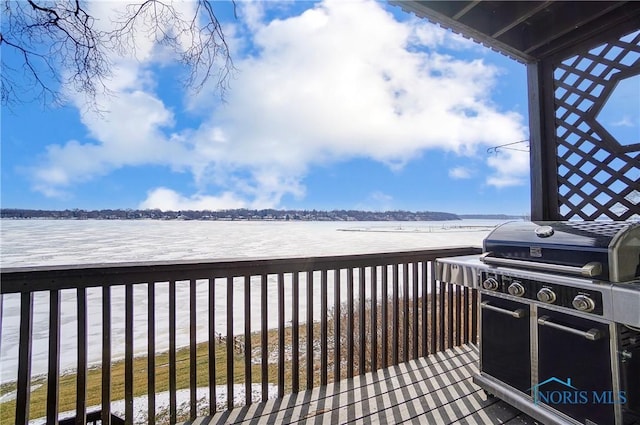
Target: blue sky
336 105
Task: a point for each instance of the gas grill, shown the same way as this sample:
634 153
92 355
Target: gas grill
559 318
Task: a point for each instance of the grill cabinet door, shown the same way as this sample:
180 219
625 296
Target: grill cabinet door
505 342
574 370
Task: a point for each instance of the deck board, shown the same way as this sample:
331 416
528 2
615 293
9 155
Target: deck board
436 389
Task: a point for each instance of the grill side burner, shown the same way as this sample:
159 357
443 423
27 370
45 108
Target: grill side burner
559 318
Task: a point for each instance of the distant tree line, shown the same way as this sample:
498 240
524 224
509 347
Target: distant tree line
235 214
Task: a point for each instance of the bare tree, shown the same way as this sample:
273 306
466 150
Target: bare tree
50 44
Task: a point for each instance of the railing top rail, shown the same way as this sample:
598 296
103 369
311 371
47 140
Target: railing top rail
42 278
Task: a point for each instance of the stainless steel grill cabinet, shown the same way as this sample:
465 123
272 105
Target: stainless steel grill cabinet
559 329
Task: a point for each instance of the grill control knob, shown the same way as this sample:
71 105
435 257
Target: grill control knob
546 295
516 289
583 303
490 284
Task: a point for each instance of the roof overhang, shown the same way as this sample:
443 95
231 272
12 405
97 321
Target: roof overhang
526 31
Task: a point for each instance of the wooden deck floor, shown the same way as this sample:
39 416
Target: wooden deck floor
433 390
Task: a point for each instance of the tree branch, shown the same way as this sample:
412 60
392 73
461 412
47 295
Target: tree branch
60 48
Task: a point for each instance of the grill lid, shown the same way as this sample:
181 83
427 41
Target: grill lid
605 250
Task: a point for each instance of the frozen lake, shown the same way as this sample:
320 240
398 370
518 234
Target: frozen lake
59 242
49 242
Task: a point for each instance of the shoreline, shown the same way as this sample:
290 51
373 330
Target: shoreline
430 229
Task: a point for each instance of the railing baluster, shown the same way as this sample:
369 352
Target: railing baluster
450 289
128 354
212 347
374 318
415 303
337 361
106 355
350 327
459 324
363 321
385 315
151 352
323 327
425 306
230 342
465 314
396 316
81 373
172 353
295 333
474 316
23 390
53 374
441 317
309 329
248 377
281 336
1 314
405 312
264 337
193 372
433 297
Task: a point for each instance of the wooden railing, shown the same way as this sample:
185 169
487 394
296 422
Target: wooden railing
301 322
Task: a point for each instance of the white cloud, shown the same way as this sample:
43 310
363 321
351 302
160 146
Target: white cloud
511 168
381 201
168 200
460 173
434 36
381 196
625 121
339 81
132 131
376 201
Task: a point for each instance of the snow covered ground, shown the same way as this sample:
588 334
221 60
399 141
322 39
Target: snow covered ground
141 406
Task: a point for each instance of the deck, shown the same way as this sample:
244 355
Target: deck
434 390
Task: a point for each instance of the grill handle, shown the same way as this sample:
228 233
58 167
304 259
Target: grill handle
518 314
591 334
592 269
